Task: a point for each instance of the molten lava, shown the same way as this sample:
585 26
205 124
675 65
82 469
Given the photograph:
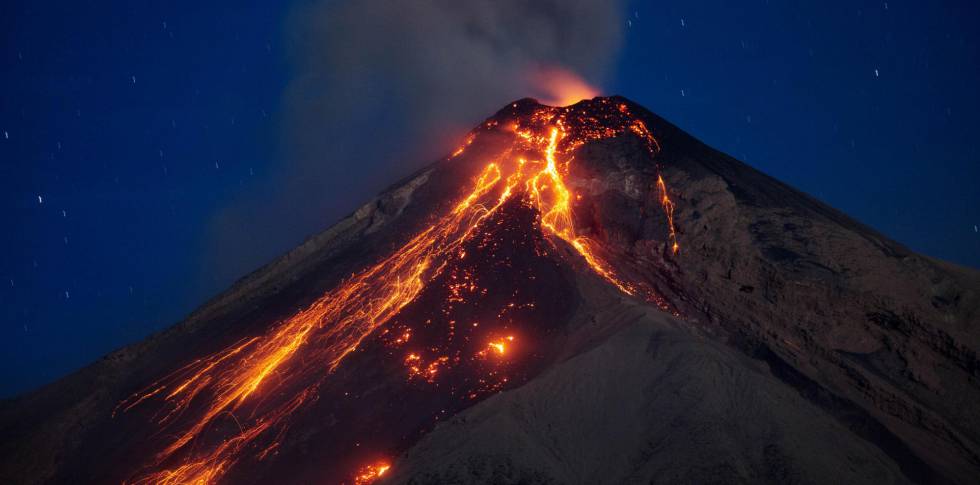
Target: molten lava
263 381
371 473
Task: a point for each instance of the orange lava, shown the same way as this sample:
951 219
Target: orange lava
235 382
500 346
668 206
371 473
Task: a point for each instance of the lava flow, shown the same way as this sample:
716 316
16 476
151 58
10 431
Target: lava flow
263 382
371 473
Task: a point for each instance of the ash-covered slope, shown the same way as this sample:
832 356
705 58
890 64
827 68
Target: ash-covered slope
652 310
657 402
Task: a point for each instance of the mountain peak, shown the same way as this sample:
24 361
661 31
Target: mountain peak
586 264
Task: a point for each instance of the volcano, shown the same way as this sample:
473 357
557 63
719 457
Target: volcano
579 294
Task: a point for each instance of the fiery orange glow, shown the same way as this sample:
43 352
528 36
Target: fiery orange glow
371 473
668 206
556 86
500 346
232 383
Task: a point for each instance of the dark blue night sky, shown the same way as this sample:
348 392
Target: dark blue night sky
125 127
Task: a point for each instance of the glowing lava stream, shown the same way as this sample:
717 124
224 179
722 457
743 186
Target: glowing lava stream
371 473
228 382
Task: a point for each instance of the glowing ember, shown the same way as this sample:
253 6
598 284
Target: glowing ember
498 346
263 382
371 473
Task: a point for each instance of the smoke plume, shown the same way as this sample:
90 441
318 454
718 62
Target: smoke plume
382 87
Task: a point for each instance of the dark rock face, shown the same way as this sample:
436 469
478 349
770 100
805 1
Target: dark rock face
890 334
806 348
665 404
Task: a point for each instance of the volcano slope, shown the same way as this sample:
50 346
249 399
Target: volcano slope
577 295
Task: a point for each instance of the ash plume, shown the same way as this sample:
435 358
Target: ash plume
380 88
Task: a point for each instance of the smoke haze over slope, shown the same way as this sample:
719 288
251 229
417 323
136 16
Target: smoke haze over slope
382 87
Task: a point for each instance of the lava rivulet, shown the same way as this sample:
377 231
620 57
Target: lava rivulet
262 381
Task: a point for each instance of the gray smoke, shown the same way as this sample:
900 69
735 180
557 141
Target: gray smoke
382 87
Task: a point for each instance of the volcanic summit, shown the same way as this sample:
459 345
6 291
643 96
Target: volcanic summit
580 294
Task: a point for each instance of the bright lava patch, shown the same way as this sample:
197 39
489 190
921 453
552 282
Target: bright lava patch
296 356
